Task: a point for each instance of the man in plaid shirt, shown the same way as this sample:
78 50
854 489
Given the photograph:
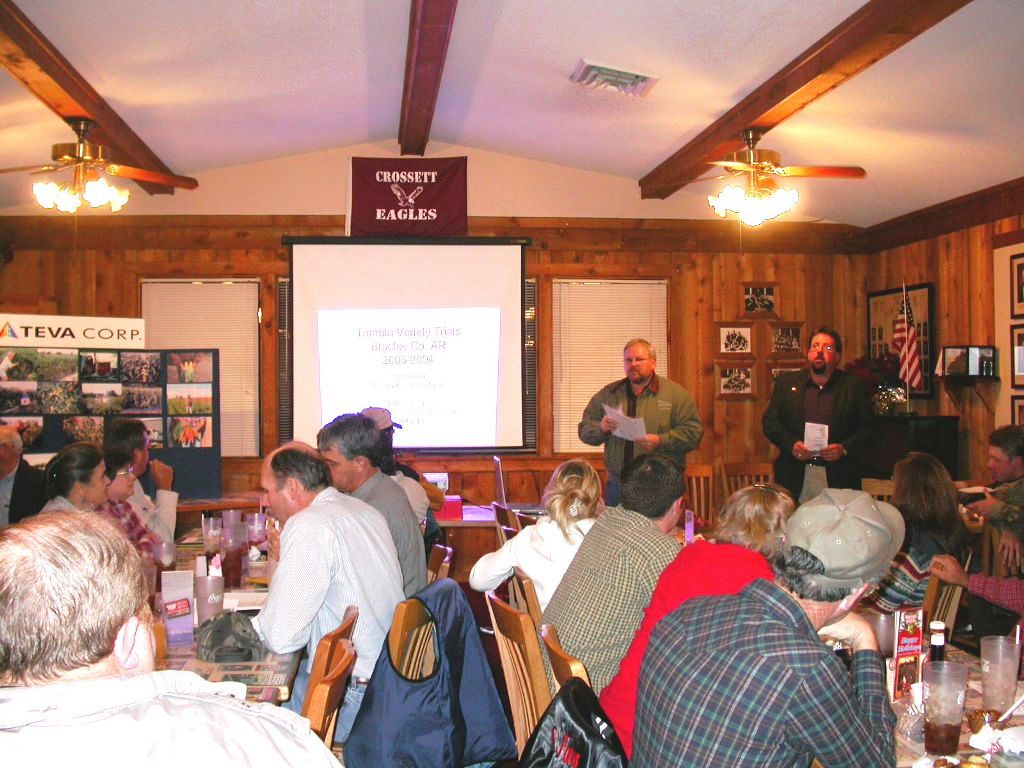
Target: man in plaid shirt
745 680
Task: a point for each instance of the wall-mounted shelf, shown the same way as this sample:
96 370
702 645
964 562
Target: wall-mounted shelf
955 385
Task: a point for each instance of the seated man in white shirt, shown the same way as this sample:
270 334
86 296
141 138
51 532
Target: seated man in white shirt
132 437
77 653
335 551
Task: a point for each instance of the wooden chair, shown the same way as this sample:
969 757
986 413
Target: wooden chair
323 700
700 492
411 640
329 651
439 563
505 521
942 601
523 595
880 488
522 666
564 666
525 519
737 475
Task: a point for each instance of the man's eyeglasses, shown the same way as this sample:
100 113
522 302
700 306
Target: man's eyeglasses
823 347
126 471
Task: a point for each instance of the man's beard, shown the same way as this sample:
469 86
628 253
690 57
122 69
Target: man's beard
818 365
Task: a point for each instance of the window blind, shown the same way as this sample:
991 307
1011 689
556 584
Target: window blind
222 315
591 321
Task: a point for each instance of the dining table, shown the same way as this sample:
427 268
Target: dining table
909 751
268 678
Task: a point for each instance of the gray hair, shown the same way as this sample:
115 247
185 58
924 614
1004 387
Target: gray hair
305 466
642 343
794 568
10 436
352 435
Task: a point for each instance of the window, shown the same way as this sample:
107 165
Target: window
591 321
214 314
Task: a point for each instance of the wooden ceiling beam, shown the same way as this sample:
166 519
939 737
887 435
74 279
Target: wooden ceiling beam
35 61
430 29
870 34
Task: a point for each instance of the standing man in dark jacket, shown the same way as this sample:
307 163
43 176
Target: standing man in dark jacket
839 413
22 487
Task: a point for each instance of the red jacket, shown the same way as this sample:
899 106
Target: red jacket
700 569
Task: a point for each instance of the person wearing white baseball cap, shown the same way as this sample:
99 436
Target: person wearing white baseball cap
747 678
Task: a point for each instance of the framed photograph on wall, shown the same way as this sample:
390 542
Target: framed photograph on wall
760 299
1017 355
884 309
1017 286
787 340
1017 410
735 379
736 338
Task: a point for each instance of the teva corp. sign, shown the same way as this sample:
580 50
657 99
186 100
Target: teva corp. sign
71 331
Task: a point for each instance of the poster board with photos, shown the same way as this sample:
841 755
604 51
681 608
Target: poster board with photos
58 396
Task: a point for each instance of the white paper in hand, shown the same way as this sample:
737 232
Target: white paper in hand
626 427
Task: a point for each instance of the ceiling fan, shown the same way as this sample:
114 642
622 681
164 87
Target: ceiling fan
766 163
85 161
760 198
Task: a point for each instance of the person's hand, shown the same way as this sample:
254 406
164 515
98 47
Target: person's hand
274 542
1009 550
983 507
833 452
947 569
800 451
649 443
608 424
853 632
163 474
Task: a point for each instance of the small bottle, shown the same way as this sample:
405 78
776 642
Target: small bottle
937 644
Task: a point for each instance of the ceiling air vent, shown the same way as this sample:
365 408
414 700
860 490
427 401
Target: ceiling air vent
593 75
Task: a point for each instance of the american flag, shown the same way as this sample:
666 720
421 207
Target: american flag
904 338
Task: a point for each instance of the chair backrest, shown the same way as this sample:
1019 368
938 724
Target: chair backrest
411 640
439 563
504 516
523 595
737 475
525 519
700 492
504 534
323 700
564 666
941 601
328 651
522 666
880 488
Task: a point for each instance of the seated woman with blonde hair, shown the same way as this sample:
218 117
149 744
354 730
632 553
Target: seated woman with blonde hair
544 551
747 536
923 492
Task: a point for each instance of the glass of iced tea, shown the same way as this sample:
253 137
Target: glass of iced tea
945 683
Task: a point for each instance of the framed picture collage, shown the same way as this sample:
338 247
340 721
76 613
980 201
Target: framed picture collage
752 351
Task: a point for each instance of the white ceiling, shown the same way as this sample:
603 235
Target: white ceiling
209 85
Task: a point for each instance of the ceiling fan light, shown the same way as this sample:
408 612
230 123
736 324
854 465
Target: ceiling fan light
98 193
754 206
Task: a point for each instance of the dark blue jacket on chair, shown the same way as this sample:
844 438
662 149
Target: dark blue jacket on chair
451 718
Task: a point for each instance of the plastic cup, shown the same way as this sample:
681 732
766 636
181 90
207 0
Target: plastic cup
212 532
884 627
1000 657
232 517
256 522
209 596
945 683
234 546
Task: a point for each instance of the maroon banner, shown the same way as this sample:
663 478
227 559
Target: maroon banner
408 197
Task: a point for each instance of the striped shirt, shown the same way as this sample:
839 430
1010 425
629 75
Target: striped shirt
744 680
